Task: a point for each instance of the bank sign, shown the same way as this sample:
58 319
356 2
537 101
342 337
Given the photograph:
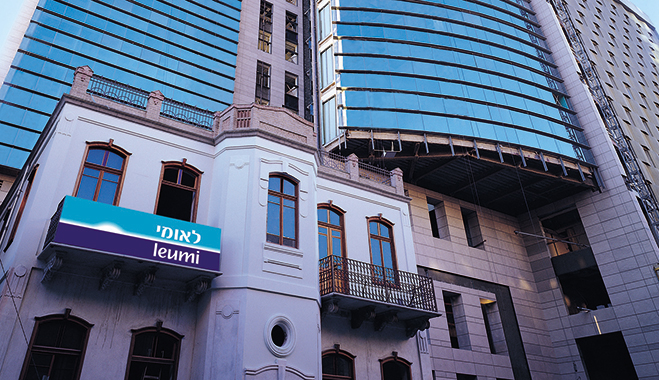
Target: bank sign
85 224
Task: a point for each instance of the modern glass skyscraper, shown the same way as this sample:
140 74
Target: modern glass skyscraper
454 67
185 49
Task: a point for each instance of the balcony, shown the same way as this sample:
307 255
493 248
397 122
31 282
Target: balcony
119 244
372 292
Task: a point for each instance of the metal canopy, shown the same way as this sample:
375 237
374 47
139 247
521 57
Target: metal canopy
507 178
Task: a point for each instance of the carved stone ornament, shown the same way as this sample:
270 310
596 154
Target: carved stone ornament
53 265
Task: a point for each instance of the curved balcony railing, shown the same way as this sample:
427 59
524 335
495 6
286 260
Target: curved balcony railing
373 282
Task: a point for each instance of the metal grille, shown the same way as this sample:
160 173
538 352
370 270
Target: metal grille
54 222
118 92
607 111
187 114
374 173
333 160
351 277
242 118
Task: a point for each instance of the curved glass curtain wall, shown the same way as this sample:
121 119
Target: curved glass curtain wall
466 68
185 49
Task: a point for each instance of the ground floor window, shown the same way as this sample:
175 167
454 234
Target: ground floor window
57 348
154 353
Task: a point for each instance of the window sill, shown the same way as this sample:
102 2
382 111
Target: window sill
282 249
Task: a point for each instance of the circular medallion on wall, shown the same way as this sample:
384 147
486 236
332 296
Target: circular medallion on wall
279 335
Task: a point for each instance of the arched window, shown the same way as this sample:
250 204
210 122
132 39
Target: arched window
154 353
395 368
383 256
338 365
282 211
102 173
331 239
57 348
178 192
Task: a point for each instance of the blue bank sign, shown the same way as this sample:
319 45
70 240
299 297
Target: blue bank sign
85 224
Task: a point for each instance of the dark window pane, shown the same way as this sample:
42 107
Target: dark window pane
175 203
166 346
188 179
144 344
73 336
170 175
48 333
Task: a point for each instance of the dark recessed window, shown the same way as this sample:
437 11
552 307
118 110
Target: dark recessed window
57 348
178 193
396 368
154 354
338 365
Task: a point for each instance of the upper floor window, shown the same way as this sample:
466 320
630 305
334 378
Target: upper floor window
102 173
330 231
57 348
262 83
395 368
338 365
324 22
326 67
154 354
291 92
282 211
382 249
178 192
265 27
291 37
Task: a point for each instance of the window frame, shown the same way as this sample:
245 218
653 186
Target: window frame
263 91
337 352
396 359
291 92
110 147
331 227
152 359
283 196
265 27
181 165
39 321
383 280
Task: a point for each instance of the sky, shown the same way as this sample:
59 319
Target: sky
10 9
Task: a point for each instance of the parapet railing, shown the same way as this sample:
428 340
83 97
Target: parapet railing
361 170
373 282
334 161
187 114
119 92
374 173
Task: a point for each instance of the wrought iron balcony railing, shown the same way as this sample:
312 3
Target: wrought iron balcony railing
373 282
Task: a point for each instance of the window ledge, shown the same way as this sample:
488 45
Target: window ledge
282 249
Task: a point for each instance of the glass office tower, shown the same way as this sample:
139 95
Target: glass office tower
454 67
185 49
